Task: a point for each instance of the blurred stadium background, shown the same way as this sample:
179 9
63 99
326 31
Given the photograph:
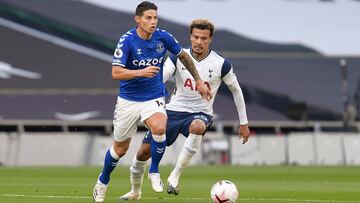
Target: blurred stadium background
298 63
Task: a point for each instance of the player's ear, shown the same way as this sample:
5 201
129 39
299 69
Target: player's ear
137 19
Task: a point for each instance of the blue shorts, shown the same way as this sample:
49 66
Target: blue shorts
179 122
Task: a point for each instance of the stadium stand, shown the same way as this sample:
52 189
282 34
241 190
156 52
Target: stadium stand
280 82
55 84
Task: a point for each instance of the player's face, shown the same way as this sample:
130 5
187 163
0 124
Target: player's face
200 41
148 21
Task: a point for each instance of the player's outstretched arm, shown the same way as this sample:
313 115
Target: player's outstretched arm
236 91
121 73
189 64
233 85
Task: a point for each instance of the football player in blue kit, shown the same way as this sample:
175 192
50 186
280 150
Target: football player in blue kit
188 113
137 63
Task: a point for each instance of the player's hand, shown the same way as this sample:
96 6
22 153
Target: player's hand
150 71
244 133
203 90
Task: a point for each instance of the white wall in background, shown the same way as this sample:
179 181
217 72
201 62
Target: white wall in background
352 149
75 149
328 149
3 147
301 149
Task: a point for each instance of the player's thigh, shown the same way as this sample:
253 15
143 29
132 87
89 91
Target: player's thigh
126 116
175 123
173 127
156 123
153 114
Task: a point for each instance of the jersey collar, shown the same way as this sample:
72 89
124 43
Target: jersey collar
198 60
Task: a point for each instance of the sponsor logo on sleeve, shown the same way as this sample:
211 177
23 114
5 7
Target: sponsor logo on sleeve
116 61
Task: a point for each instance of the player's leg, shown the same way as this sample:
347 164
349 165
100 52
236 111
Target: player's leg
125 123
158 145
138 167
154 117
192 143
137 170
112 156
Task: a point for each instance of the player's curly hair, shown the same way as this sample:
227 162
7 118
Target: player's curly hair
202 24
144 6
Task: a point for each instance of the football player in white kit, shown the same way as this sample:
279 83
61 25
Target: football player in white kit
188 113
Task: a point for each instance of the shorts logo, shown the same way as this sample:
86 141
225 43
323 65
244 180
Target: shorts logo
118 53
201 117
160 47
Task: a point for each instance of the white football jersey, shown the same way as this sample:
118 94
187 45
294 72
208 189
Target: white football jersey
213 70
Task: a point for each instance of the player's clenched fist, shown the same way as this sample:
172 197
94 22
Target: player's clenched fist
244 133
150 71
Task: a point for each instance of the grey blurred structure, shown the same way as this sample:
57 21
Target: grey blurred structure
56 90
55 60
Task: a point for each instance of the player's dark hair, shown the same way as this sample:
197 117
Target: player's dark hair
202 24
144 6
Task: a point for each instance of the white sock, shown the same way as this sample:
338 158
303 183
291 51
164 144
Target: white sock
188 150
137 170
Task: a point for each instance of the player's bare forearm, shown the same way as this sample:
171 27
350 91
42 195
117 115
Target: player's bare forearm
189 64
121 73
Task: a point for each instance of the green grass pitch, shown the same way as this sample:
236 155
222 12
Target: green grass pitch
255 184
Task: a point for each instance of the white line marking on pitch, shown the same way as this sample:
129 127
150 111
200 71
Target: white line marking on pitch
188 198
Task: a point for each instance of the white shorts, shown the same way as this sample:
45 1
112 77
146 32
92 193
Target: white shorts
128 113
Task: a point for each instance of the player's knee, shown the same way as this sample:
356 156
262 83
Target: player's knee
197 127
120 150
158 130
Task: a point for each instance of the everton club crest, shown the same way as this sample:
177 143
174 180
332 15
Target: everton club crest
160 47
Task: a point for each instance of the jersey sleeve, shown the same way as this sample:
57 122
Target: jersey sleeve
226 68
122 51
232 83
172 44
229 77
169 67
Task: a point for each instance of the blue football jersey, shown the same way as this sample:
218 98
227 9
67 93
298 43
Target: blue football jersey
133 52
